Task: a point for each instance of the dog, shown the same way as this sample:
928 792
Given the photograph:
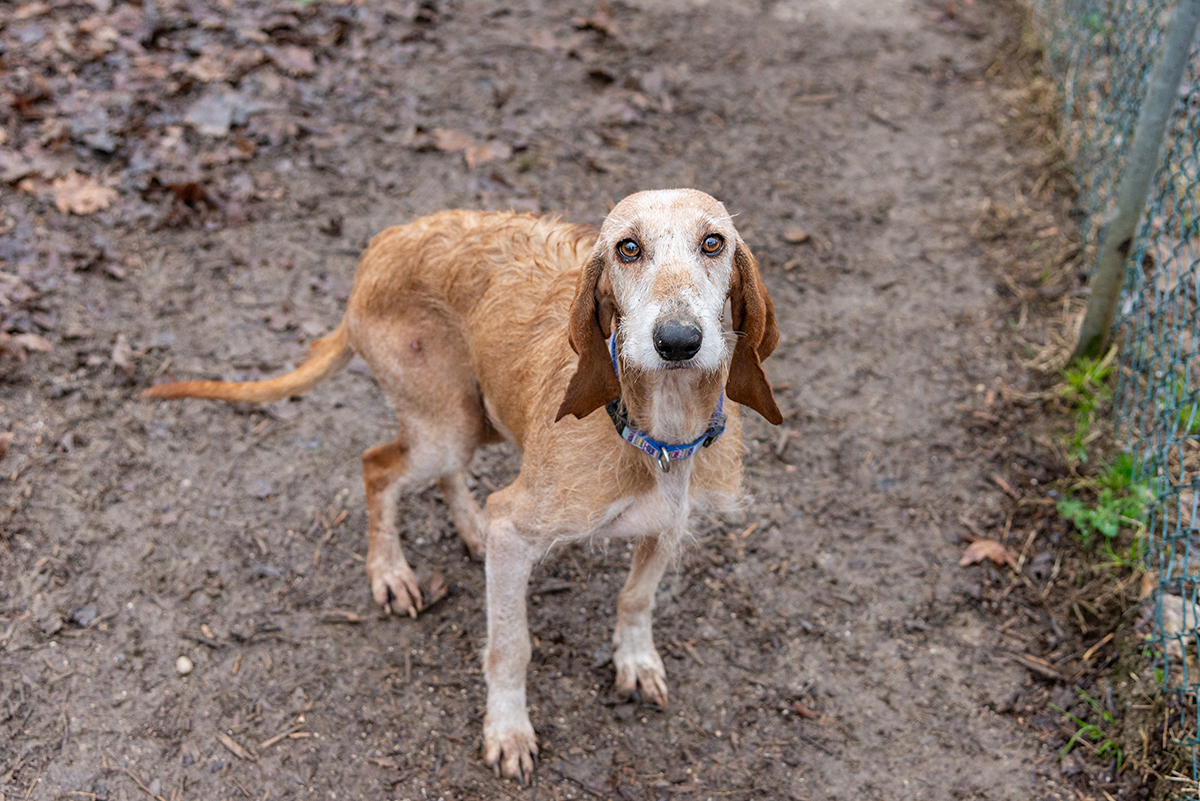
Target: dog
605 357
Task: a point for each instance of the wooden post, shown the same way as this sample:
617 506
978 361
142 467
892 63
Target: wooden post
1145 154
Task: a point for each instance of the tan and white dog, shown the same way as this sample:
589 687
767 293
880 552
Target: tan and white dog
482 326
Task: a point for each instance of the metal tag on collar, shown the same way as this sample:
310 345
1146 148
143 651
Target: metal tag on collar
715 430
664 461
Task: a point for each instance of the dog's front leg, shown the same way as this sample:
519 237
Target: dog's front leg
639 667
508 741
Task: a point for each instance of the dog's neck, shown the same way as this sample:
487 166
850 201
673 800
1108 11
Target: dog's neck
672 406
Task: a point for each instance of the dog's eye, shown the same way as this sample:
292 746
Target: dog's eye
629 250
712 244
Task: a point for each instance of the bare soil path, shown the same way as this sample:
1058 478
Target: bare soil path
825 645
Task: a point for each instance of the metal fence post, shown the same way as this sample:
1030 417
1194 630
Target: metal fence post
1162 94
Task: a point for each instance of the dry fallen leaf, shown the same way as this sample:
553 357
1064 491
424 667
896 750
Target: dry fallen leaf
433 586
1179 624
209 67
600 20
541 39
252 34
981 549
33 342
449 141
295 60
14 290
796 236
9 345
804 711
474 151
545 41
122 356
1149 585
30 10
488 151
79 194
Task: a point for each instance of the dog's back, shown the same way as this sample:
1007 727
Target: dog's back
487 291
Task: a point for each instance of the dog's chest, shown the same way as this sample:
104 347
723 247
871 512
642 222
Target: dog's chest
663 508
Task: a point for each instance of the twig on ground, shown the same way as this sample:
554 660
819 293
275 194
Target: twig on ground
283 735
235 747
141 786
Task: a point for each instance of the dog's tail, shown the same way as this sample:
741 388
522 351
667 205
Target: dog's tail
326 357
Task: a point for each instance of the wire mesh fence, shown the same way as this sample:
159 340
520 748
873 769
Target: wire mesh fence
1102 53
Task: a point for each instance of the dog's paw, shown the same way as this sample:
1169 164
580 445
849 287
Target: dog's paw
470 531
642 675
395 588
474 545
510 748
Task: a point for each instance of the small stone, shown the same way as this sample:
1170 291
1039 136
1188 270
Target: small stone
51 624
84 615
211 115
183 666
602 656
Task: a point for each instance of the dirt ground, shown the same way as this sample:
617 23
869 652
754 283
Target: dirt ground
825 644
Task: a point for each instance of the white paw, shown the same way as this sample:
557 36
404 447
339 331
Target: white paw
509 747
642 674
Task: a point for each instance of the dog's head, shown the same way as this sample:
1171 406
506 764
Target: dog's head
663 267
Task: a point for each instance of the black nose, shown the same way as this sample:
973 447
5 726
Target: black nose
675 341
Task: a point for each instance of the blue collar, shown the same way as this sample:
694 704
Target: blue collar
664 453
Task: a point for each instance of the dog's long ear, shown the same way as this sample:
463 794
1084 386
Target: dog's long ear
595 382
754 319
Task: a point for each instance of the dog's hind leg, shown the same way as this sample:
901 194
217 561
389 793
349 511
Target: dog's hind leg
425 370
389 470
386 472
468 517
411 462
639 667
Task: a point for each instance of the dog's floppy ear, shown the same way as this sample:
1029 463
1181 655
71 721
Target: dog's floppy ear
595 382
754 320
